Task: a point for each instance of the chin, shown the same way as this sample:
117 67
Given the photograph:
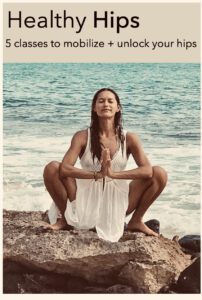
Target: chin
106 115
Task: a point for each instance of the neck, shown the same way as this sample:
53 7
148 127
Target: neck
107 127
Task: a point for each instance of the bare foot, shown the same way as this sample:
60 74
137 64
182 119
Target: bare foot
59 225
141 227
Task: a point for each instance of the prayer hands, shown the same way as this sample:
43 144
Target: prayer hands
105 162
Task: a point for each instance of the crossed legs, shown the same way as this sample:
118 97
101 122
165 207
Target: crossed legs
142 193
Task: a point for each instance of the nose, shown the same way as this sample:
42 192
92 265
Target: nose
106 103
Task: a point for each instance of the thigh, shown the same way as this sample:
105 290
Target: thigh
137 188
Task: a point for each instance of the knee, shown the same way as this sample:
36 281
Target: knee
51 169
160 176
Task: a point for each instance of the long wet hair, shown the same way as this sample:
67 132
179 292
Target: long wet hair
94 126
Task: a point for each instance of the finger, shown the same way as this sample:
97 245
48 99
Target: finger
105 155
108 162
108 155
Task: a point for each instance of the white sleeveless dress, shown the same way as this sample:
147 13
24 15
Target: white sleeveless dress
95 206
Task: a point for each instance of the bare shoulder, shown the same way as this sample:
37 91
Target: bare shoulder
133 143
80 137
82 134
132 139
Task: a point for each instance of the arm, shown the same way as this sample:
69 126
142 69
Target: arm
67 168
144 169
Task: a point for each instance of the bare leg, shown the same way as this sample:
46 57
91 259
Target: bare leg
142 194
60 190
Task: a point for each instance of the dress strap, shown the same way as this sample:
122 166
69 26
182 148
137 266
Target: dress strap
124 143
87 144
124 132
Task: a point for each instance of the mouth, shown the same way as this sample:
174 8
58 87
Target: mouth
106 110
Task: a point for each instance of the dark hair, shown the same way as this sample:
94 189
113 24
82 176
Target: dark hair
94 126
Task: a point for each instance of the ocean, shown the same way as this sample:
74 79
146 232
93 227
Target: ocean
45 104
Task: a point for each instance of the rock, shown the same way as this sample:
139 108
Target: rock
195 255
176 238
115 289
189 280
153 225
94 290
120 289
146 277
77 261
191 243
37 282
167 290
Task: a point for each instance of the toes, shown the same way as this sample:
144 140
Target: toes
43 228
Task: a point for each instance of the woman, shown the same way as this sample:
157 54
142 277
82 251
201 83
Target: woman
102 193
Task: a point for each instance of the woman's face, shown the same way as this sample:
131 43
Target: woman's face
106 105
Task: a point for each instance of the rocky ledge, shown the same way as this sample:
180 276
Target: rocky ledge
77 261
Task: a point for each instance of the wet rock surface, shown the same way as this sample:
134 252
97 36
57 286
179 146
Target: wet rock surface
191 243
154 225
77 261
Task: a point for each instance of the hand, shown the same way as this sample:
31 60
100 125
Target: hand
105 162
105 156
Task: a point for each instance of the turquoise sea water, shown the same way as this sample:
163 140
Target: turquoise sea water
44 104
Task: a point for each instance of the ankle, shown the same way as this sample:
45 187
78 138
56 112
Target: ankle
136 221
61 218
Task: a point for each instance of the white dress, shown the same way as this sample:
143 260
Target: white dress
95 206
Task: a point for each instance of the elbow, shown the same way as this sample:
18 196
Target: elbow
64 171
61 171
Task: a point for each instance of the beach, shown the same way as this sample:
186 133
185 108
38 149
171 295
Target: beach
45 104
